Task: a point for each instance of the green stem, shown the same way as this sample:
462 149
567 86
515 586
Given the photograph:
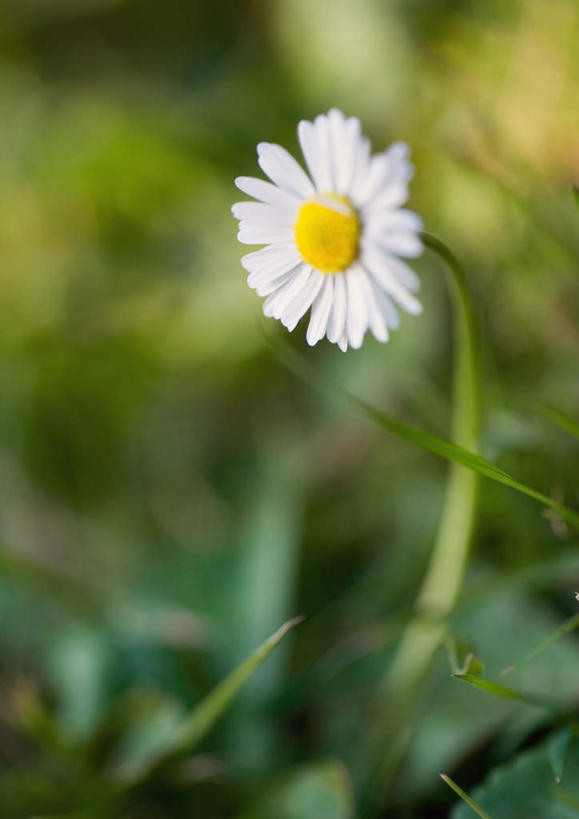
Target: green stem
443 580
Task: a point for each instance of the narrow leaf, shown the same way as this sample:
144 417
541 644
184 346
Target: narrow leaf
194 728
557 752
576 195
506 693
212 707
419 438
566 627
464 796
562 420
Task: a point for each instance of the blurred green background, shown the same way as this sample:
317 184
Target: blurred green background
170 494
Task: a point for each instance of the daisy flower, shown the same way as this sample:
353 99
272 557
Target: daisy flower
334 239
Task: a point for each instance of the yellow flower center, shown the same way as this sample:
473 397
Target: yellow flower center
327 231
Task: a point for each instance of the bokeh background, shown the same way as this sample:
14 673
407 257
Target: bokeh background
170 493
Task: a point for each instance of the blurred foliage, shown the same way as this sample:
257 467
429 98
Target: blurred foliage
169 494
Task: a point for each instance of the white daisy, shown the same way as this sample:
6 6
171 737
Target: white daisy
334 238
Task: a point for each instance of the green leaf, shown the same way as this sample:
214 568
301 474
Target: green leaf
565 628
322 790
204 716
557 749
464 796
417 437
212 707
562 420
507 693
524 788
81 667
576 195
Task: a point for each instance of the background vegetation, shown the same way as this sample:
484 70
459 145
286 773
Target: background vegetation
170 493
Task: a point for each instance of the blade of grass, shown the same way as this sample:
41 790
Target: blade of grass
415 436
565 628
464 796
562 420
212 707
507 693
557 751
204 716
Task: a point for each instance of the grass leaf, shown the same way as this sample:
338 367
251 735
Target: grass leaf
204 716
557 749
565 628
562 420
506 693
417 437
464 796
212 707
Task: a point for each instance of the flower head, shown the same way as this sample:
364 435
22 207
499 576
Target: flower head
333 239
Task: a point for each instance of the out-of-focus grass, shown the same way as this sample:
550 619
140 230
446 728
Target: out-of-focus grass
168 493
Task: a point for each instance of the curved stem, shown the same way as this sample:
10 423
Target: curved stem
443 580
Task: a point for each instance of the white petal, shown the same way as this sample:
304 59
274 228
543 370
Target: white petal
376 318
270 256
326 171
379 268
395 231
385 304
401 166
402 244
283 169
337 319
267 278
268 193
269 274
275 304
361 169
343 340
391 196
308 139
388 169
261 214
250 234
390 221
302 302
274 282
403 272
373 181
321 311
357 316
344 138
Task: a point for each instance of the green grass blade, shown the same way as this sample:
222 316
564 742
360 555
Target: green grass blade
557 749
453 452
576 195
419 438
507 693
562 420
464 796
565 628
206 714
